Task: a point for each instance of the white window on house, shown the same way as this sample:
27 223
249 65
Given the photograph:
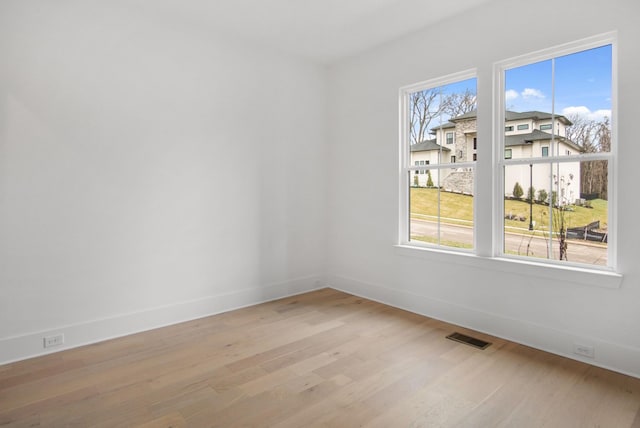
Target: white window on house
523 127
558 208
475 143
507 153
449 137
433 215
546 126
508 128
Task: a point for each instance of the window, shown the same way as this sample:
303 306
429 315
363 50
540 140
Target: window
475 156
475 143
557 207
439 213
449 137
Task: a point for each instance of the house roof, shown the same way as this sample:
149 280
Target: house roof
536 135
514 115
428 145
536 115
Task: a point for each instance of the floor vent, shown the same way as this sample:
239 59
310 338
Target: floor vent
468 340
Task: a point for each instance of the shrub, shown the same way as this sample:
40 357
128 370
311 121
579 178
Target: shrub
531 194
429 180
542 195
517 191
415 180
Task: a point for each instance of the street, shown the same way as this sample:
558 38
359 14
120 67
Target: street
515 243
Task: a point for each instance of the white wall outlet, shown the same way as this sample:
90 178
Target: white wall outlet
51 341
584 350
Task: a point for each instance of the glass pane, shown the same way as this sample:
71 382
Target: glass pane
583 98
527 89
443 215
549 214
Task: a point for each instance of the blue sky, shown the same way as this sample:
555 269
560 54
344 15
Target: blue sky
582 85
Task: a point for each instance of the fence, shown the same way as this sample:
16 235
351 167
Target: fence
587 233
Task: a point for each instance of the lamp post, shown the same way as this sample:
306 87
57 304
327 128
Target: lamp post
530 195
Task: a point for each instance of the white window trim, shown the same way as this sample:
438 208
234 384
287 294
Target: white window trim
607 277
405 157
499 162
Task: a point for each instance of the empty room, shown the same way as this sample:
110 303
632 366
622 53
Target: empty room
292 213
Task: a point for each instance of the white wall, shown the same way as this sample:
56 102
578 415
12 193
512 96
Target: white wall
526 305
149 172
136 190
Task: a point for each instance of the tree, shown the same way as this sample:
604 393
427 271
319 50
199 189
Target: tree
517 191
415 180
601 168
425 107
542 195
592 137
560 227
428 104
429 180
531 193
459 103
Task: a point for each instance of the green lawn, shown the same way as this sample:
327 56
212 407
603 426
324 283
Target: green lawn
455 208
458 209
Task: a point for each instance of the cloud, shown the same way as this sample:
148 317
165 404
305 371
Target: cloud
510 95
530 93
576 110
583 111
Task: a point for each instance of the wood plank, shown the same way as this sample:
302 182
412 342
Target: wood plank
324 358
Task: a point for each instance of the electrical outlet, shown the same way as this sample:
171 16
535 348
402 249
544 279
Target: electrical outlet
51 341
584 350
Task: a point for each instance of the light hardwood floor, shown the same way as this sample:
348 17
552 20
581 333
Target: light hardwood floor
324 358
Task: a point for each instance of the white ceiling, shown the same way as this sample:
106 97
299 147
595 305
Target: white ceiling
321 30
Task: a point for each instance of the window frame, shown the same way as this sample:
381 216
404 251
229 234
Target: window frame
484 254
405 167
510 153
446 137
499 69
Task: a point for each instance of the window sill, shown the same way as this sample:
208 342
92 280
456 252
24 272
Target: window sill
573 274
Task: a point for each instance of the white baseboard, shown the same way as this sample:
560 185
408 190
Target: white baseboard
612 356
31 345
